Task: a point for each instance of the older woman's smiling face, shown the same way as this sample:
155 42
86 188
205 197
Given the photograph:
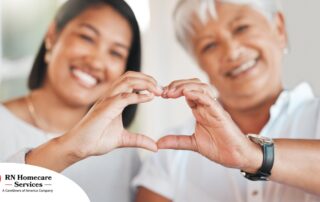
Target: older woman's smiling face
241 51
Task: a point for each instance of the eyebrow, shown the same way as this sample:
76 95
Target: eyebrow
122 46
92 28
204 37
239 17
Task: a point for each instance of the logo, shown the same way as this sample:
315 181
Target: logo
0 178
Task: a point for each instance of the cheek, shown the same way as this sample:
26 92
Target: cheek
71 47
57 74
272 54
57 67
210 65
268 44
59 63
62 54
58 55
115 72
56 63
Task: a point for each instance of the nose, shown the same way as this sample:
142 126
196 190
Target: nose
98 59
233 50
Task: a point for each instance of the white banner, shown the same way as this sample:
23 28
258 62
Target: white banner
20 182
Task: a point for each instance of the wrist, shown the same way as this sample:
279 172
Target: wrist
70 149
254 158
55 155
267 147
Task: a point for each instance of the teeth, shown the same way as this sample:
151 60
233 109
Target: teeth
243 67
85 78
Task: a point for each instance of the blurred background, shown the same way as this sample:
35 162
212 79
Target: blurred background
24 22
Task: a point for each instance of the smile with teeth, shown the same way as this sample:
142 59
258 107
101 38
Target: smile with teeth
244 67
84 78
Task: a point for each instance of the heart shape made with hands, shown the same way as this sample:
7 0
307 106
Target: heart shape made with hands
102 127
199 97
213 127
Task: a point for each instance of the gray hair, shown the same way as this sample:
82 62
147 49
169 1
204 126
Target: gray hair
205 9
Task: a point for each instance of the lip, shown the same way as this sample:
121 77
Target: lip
84 78
243 69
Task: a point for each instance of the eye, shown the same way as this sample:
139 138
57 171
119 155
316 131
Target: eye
208 47
117 54
241 29
86 38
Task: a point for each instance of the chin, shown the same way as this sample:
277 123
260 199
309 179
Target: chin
84 102
78 101
255 86
245 97
244 103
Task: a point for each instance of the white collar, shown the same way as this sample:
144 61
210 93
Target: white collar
287 103
289 100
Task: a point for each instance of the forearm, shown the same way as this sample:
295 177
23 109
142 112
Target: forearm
297 163
55 155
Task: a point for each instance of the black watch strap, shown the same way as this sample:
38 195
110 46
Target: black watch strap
265 170
268 158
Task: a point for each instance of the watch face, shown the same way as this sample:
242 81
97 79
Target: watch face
260 139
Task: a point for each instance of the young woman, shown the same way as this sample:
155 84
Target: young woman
84 56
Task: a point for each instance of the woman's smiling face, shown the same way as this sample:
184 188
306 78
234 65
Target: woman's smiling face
90 52
241 51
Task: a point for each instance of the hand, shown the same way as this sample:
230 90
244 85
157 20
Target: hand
216 136
101 130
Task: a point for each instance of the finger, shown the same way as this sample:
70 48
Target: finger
198 98
141 76
212 105
179 142
110 108
125 99
191 86
138 140
115 105
132 84
173 84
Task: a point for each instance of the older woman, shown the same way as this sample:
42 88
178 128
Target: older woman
240 45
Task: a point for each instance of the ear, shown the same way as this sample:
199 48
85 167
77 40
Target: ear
281 30
51 36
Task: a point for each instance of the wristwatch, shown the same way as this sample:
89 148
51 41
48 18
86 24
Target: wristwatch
267 147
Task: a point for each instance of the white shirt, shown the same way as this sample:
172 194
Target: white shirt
104 178
185 176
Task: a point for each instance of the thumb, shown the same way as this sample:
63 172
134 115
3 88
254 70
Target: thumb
179 142
138 140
